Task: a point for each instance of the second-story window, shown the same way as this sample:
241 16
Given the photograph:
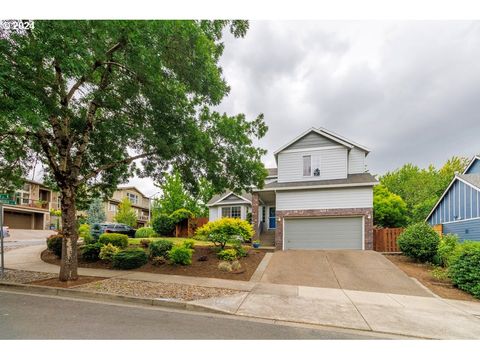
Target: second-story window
133 198
307 165
112 207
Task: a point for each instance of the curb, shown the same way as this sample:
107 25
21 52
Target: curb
74 293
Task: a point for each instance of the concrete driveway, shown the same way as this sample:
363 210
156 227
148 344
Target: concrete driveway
340 269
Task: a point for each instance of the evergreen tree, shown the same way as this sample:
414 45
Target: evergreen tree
96 212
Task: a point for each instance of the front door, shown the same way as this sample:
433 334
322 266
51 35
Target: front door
271 218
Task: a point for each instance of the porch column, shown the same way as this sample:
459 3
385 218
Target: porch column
255 201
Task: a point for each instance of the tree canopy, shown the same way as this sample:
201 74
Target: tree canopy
389 209
91 99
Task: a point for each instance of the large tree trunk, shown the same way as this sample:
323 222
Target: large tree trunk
68 267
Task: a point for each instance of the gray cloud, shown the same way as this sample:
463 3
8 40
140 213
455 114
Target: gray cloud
410 93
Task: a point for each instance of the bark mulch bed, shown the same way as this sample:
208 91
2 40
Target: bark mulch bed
208 268
421 272
149 289
54 282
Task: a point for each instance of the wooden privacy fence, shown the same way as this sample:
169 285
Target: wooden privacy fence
187 227
385 240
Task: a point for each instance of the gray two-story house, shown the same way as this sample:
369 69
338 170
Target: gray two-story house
319 197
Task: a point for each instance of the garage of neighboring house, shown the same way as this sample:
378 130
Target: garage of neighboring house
324 233
24 220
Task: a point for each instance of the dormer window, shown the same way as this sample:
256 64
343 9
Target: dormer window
307 165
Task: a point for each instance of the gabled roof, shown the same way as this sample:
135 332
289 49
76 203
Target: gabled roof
474 159
329 135
243 198
132 187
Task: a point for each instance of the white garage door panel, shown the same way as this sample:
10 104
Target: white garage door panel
323 233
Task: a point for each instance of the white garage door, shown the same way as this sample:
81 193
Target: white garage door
323 233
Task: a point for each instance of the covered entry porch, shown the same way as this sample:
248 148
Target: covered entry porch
264 217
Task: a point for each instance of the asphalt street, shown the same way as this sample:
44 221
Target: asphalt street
29 316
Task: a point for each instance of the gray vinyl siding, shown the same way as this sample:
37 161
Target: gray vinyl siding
342 198
231 197
311 140
213 213
466 230
323 233
332 163
356 161
460 202
475 168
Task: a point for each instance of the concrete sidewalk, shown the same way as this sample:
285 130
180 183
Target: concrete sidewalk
426 317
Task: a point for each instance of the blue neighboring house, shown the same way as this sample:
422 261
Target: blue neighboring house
458 209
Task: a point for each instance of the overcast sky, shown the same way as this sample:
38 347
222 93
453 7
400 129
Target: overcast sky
410 91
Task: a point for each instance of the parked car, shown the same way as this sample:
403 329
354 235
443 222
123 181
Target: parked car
5 231
99 229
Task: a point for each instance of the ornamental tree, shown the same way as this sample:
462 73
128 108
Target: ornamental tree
99 101
126 214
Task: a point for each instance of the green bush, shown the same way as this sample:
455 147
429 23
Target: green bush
420 242
163 225
154 235
107 252
160 248
189 244
447 249
118 240
228 255
91 252
83 229
224 230
465 268
145 243
54 244
180 255
241 252
129 258
144 232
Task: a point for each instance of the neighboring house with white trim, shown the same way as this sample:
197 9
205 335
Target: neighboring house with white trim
320 196
458 209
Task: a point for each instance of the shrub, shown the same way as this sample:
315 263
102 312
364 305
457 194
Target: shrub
465 268
84 232
226 229
439 273
447 249
241 252
91 252
119 240
154 235
107 252
181 214
225 266
54 244
129 258
189 244
145 243
227 255
236 265
158 260
420 242
89 239
160 248
144 232
163 225
180 255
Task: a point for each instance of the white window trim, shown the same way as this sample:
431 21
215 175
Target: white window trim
303 166
230 207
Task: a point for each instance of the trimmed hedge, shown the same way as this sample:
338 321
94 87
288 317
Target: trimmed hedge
107 252
144 232
465 268
180 255
160 248
54 243
129 259
118 240
91 252
420 242
163 225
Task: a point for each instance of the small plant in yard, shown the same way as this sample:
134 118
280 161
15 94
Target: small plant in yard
160 248
228 255
158 260
84 232
236 266
439 273
447 249
465 268
189 244
107 252
119 240
226 229
180 255
241 252
129 258
420 242
225 266
144 232
145 243
91 252
54 244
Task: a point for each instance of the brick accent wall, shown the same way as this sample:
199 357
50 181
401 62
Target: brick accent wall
255 202
366 212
